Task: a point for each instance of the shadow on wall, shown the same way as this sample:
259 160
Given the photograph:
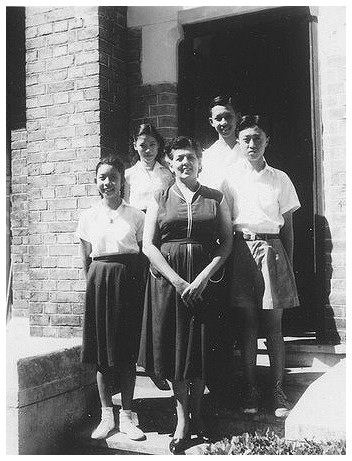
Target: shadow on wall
327 332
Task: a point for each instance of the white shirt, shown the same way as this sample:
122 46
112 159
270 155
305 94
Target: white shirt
111 232
144 183
257 200
216 162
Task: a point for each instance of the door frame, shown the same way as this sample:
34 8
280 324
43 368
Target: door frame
194 26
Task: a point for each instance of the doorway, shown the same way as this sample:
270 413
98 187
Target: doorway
263 60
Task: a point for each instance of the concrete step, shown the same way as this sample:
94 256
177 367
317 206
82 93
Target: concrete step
301 352
222 415
306 362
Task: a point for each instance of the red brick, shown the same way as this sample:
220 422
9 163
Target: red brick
45 29
35 43
39 320
60 51
65 320
57 87
64 274
36 331
60 62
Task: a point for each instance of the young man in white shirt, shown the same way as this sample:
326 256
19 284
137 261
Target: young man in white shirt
262 200
224 153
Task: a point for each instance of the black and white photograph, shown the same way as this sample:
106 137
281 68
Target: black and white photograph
176 260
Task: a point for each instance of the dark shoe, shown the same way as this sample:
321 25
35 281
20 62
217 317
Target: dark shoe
200 431
280 403
250 399
160 383
178 446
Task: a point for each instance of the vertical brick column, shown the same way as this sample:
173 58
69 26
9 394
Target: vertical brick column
113 80
332 60
19 224
63 125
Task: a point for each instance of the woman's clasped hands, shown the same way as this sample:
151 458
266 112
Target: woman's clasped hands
191 293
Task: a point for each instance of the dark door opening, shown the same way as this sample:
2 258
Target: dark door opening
263 60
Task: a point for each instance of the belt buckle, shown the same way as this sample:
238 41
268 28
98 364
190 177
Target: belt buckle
249 235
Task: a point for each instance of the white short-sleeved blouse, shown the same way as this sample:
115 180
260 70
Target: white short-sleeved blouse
111 232
258 200
144 183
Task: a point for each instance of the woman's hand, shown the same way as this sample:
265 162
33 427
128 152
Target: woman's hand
193 293
181 285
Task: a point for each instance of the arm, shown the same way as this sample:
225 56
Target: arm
154 254
86 249
196 288
225 189
286 234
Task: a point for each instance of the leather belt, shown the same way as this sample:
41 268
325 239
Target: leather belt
255 236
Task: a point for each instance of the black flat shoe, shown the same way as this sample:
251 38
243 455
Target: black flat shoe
178 446
199 431
160 383
202 435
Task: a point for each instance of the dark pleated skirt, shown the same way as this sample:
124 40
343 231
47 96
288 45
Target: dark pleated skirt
174 336
113 312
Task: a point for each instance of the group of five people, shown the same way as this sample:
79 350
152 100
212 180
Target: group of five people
195 215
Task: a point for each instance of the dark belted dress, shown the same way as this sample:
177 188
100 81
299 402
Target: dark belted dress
174 336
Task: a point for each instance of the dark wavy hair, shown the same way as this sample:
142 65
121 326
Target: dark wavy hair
183 142
116 163
222 100
149 130
113 161
250 121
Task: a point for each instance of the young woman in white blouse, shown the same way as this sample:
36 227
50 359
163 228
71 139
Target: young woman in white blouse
144 179
148 175
110 237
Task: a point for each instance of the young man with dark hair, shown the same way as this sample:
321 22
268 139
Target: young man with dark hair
224 153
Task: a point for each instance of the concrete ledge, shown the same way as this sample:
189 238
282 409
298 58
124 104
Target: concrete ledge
47 393
321 411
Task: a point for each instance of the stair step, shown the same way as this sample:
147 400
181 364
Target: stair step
301 352
306 362
222 415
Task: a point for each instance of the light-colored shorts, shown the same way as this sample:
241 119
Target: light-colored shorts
262 275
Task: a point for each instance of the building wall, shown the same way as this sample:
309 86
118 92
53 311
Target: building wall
92 75
113 80
332 72
75 95
19 235
153 34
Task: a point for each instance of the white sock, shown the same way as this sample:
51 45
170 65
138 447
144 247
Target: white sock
107 413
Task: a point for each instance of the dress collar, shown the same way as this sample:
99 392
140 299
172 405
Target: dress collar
140 166
178 192
122 205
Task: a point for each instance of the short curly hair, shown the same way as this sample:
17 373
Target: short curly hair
183 142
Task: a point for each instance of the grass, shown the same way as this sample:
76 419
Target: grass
270 444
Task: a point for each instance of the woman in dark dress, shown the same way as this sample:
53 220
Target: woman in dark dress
187 238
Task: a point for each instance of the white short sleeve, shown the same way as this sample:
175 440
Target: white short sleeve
288 198
83 227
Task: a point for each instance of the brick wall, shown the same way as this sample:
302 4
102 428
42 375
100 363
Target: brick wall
19 224
332 69
156 104
76 104
113 80
63 126
76 107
